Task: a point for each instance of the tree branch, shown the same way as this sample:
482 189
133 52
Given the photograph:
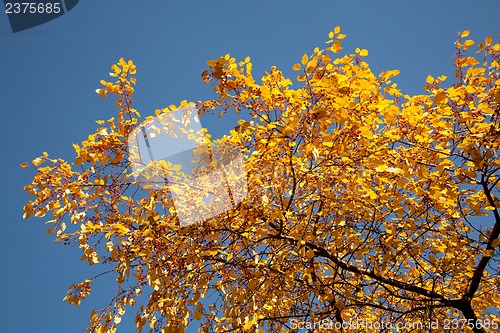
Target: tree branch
319 251
495 232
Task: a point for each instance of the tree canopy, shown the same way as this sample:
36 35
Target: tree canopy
364 205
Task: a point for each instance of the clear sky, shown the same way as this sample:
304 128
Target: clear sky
49 75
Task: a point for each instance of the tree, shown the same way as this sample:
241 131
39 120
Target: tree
365 206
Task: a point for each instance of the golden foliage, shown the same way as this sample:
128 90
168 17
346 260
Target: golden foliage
362 204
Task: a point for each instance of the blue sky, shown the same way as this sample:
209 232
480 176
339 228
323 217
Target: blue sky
47 98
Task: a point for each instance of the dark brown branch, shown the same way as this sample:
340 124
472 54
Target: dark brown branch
464 306
495 232
319 251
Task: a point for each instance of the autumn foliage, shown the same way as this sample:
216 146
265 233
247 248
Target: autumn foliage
363 203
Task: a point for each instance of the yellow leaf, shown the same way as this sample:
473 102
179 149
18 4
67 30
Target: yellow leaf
37 161
464 34
198 314
388 74
477 159
366 132
24 165
363 52
341 100
336 47
296 67
440 96
429 79
468 43
305 59
177 167
117 159
488 41
336 30
394 170
233 276
252 284
442 248
441 78
151 204
121 228
310 254
250 323
147 232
